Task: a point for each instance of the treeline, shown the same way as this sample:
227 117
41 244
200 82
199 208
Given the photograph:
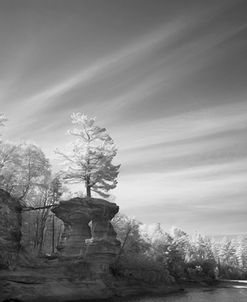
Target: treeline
183 256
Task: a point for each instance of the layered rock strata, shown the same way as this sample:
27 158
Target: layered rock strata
98 244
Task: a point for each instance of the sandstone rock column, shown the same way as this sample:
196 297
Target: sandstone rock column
102 246
76 228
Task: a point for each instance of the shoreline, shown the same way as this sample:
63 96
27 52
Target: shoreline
178 288
114 290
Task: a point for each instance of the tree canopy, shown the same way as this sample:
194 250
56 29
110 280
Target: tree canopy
23 169
90 160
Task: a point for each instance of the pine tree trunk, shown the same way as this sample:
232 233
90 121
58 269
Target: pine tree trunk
88 191
88 186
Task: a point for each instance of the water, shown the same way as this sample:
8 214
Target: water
236 293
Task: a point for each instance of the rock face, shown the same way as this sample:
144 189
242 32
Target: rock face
53 280
98 244
80 271
10 230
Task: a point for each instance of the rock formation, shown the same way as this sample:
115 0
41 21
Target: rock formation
10 230
98 244
81 269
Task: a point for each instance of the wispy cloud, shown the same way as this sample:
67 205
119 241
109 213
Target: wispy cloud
98 68
189 198
187 166
189 125
191 184
168 83
173 61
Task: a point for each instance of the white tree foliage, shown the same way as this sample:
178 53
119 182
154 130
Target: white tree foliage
10 163
91 158
23 169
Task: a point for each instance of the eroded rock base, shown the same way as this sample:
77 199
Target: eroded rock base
64 279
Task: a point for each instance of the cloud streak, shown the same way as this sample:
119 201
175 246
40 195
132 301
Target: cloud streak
167 81
97 69
191 125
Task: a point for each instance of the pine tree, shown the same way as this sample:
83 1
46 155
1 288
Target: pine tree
241 252
91 158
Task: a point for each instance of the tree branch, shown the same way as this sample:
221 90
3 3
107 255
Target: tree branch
38 208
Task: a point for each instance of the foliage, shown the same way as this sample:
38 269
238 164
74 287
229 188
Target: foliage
232 258
10 163
91 158
128 232
183 256
41 220
24 169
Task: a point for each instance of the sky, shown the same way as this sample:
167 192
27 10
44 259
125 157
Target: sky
167 78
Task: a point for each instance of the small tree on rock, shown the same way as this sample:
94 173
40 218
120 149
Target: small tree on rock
91 158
